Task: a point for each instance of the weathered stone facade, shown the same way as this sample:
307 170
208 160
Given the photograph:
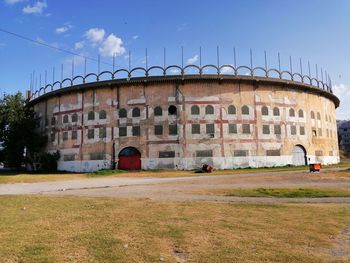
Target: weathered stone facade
228 122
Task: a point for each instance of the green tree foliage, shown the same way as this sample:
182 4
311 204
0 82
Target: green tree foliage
18 131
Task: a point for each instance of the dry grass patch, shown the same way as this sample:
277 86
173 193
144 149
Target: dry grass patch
76 229
281 192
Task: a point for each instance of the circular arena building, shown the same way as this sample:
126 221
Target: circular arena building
103 121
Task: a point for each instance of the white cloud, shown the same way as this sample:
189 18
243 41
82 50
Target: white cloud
226 70
79 45
37 8
63 28
193 59
95 35
112 45
342 91
135 37
13 2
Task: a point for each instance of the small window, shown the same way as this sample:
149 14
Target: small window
173 129
103 115
232 128
102 132
65 136
196 129
318 116
122 113
122 131
172 110
273 152
302 130
209 110
246 128
91 133
194 110
264 111
74 135
231 110
46 121
68 157
97 156
266 129
319 153
210 129
277 129
53 121
312 115
314 133
276 111
168 154
91 115
205 153
136 131
293 130
136 112
240 153
158 130
158 111
65 119
74 117
52 136
301 114
319 132
245 110
291 113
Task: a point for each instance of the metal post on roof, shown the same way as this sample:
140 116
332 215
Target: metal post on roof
308 64
129 60
290 65
53 75
85 67
279 62
200 57
251 62
98 64
301 68
234 57
265 60
40 81
45 78
218 59
61 73
316 72
146 63
164 58
73 68
113 62
322 74
182 57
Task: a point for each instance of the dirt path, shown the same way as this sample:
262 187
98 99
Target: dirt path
186 188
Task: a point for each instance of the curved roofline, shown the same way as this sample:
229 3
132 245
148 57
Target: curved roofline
187 79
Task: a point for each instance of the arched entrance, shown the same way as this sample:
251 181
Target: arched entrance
299 155
129 159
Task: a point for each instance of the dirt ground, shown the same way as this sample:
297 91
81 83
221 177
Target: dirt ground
191 188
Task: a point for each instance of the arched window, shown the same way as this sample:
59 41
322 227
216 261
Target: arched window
53 121
312 115
245 110
74 117
231 109
291 113
209 110
172 110
91 115
65 119
195 110
318 116
122 113
103 115
136 112
276 111
158 111
301 113
264 111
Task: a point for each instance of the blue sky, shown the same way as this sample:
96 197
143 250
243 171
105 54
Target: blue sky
315 30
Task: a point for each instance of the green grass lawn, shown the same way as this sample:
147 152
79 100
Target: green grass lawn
13 177
78 229
284 192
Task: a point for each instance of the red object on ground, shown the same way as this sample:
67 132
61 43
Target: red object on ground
207 168
315 167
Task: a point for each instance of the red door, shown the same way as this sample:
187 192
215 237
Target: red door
129 159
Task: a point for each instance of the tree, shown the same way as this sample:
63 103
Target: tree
18 131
